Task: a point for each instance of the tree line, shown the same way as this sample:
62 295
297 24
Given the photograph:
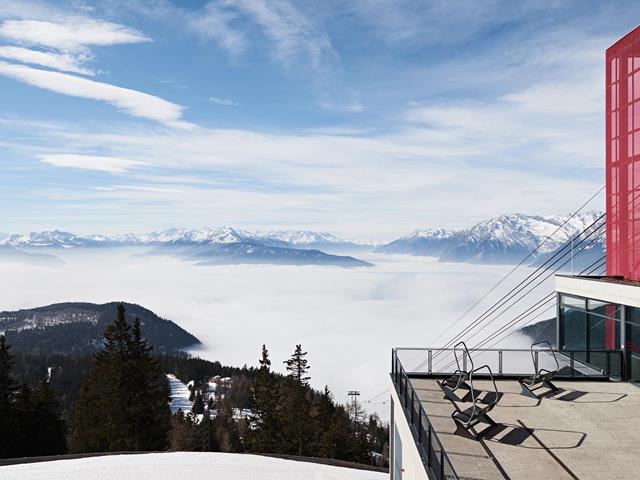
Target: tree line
119 401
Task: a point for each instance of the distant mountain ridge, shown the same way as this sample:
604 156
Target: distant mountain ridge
206 246
504 239
183 236
78 328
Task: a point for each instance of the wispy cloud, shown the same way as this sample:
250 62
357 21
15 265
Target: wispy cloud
294 36
213 22
64 62
133 102
73 35
91 162
223 101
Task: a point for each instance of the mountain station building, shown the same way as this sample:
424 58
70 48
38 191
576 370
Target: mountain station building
567 409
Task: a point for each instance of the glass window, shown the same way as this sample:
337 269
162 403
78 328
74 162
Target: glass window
575 302
603 333
632 329
607 309
573 328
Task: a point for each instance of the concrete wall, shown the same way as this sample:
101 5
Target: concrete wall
409 463
614 292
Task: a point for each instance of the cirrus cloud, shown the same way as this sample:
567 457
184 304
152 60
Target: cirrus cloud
132 102
91 162
73 35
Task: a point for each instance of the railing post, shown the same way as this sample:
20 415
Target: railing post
393 362
406 386
429 448
412 405
420 425
441 462
430 360
535 361
500 361
571 362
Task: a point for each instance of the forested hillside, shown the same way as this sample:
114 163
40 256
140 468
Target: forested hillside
117 399
77 328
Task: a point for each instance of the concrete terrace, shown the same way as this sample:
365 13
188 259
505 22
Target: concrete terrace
589 429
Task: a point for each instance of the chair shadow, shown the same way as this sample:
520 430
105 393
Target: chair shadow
580 396
516 436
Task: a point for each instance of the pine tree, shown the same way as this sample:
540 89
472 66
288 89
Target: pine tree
123 403
50 433
182 436
198 405
298 367
148 408
324 413
297 420
264 433
8 389
30 422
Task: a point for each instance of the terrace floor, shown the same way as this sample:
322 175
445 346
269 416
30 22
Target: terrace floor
587 430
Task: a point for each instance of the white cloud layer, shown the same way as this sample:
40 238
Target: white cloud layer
130 101
91 162
363 313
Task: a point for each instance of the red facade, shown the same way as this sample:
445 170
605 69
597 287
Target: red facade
623 157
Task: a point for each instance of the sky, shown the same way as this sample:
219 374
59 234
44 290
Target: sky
366 118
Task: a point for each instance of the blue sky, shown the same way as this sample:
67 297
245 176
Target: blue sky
366 118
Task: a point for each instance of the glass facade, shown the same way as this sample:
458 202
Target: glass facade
589 325
590 328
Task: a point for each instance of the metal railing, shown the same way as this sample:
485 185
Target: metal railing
512 362
429 446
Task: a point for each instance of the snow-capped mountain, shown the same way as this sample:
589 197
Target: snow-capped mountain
207 246
504 239
309 239
211 236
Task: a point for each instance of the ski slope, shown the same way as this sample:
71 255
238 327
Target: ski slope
183 466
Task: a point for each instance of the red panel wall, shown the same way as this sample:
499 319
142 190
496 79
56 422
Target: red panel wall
623 156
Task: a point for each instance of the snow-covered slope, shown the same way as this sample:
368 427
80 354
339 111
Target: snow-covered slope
179 395
504 239
183 466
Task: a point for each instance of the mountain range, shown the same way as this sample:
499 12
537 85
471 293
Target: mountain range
78 328
504 239
205 246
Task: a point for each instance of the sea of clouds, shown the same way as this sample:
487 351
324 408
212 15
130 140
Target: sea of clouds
347 319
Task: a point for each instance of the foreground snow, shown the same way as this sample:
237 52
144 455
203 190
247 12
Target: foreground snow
183 465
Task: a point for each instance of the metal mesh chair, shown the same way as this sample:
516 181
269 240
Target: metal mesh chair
541 377
460 376
480 407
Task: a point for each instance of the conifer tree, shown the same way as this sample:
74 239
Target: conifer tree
264 433
49 434
198 405
123 403
8 389
30 422
148 407
297 417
